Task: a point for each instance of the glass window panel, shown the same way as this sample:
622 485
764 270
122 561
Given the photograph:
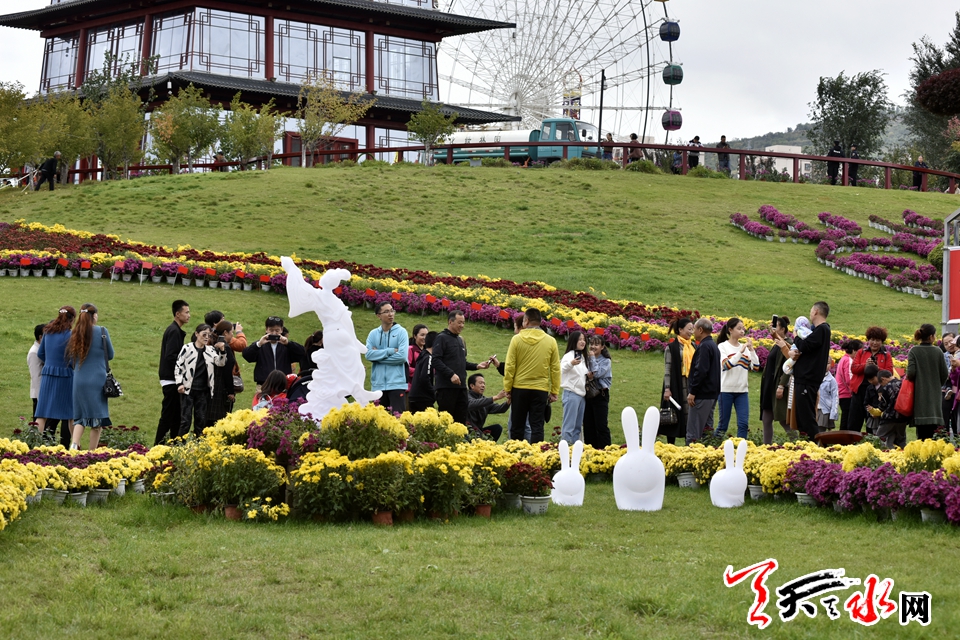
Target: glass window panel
59 63
303 49
229 43
172 41
405 67
122 41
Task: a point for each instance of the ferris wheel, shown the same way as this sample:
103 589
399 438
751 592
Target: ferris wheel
551 63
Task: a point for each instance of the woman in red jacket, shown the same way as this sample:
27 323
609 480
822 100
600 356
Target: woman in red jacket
873 351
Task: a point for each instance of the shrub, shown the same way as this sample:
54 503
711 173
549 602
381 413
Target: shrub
644 166
322 484
379 482
278 433
588 164
495 162
935 257
431 429
701 171
362 432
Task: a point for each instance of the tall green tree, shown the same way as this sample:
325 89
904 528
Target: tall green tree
851 109
431 127
323 111
120 128
18 139
249 134
73 133
186 126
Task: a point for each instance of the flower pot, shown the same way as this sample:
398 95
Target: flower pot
156 279
512 501
127 277
35 498
806 500
938 297
171 279
756 491
198 282
121 489
186 282
383 518
138 486
85 273
213 284
265 287
483 510
37 273
58 495
79 497
783 239
97 275
687 480
837 506
100 495
247 286
407 515
24 273
142 277
237 285
933 516
68 273
535 505
3 272
165 497
231 512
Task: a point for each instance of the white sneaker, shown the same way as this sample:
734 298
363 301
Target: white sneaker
74 447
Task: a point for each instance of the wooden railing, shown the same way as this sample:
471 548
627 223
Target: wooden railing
566 146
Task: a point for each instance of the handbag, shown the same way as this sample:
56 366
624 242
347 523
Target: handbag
904 405
111 388
593 389
668 417
237 384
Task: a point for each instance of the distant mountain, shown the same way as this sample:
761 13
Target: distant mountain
896 134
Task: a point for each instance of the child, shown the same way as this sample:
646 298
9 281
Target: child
871 398
829 401
893 426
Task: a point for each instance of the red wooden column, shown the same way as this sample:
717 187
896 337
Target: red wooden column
844 174
269 71
953 186
887 181
146 44
923 182
743 167
368 51
796 169
371 141
81 68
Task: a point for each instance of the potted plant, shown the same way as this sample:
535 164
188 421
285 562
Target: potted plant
532 483
322 485
199 274
885 490
824 483
249 279
928 492
446 477
379 482
796 477
169 271
240 474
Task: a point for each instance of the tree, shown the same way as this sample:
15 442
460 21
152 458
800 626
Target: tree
119 126
18 140
74 135
323 111
248 134
853 110
186 126
430 127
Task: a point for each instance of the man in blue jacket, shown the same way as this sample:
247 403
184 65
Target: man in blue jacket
387 347
703 384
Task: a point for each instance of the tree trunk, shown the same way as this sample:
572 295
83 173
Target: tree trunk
269 161
65 173
303 154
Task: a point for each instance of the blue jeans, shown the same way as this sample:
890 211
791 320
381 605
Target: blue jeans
741 403
573 407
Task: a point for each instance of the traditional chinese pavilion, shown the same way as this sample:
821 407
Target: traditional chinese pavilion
384 48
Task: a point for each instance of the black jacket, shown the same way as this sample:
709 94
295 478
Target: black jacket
810 367
450 357
833 167
479 407
421 385
49 166
704 379
169 350
287 354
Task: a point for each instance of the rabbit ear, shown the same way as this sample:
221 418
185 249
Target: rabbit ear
631 429
651 425
741 453
563 448
728 453
577 454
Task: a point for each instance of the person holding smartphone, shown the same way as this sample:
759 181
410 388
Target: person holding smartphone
224 395
273 351
874 352
573 382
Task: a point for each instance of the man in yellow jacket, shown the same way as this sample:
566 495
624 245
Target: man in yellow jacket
531 376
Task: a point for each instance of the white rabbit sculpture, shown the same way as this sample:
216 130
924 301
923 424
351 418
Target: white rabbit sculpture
638 477
568 484
728 485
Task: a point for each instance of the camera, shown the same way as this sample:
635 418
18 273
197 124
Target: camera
775 322
273 337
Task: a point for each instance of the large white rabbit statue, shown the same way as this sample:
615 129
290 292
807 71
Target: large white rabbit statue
568 485
638 477
728 485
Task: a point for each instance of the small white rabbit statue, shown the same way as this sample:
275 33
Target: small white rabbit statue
728 485
568 485
638 477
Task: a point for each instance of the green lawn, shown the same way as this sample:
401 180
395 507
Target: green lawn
133 569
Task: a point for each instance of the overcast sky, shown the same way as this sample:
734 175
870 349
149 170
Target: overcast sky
750 66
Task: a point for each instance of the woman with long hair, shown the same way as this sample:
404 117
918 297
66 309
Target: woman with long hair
88 350
873 351
273 388
417 341
677 358
312 344
596 432
573 382
221 403
737 359
927 370
55 399
196 377
773 382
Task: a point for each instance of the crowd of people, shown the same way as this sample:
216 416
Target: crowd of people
801 388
